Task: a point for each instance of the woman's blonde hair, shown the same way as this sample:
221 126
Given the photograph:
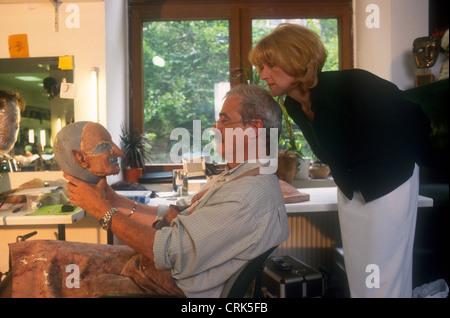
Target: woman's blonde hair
297 50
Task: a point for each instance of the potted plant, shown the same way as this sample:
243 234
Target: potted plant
318 169
135 147
295 141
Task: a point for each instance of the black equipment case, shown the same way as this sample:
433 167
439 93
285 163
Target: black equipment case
287 277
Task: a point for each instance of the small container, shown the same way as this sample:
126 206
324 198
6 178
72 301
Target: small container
179 182
137 196
36 200
33 201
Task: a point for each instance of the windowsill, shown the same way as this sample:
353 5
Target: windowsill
313 183
196 184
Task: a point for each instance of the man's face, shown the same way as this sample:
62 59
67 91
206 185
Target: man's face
9 126
234 132
101 152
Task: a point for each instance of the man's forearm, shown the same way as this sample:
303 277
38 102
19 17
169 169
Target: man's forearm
138 236
138 212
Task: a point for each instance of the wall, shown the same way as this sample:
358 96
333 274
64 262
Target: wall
116 30
386 49
100 41
86 44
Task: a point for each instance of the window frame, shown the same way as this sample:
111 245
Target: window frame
240 14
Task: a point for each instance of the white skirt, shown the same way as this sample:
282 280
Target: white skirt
378 239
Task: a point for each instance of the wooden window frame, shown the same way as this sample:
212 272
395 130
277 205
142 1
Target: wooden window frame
240 13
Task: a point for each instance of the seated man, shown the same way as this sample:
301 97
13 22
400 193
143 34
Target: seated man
237 216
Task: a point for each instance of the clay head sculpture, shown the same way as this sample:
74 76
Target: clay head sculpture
86 151
10 106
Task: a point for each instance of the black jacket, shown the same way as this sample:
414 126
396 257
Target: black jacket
365 130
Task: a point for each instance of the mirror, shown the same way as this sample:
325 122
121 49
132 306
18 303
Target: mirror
38 81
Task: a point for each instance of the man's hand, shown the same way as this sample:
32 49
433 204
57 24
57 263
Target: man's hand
87 196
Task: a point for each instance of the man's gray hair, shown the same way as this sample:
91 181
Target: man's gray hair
257 103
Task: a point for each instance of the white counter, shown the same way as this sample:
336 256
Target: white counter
21 218
322 199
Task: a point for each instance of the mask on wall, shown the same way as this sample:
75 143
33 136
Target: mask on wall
426 51
86 151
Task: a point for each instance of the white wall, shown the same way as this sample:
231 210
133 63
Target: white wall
116 32
100 41
386 50
86 44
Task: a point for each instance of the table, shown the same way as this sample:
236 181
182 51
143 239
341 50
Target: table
320 200
325 200
21 218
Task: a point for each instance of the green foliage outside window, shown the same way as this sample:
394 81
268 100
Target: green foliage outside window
195 55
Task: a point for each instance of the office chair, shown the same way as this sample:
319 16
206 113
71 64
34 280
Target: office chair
238 284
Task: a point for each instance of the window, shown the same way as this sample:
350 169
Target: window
185 74
185 56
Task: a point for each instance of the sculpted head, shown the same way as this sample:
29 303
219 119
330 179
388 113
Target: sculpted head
86 151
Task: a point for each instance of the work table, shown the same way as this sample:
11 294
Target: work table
322 199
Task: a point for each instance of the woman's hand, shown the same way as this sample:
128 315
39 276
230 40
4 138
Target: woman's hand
89 197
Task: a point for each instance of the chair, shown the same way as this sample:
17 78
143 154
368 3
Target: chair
238 284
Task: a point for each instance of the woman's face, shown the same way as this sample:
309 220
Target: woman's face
279 82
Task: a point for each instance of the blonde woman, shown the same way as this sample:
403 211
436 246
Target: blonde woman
371 137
